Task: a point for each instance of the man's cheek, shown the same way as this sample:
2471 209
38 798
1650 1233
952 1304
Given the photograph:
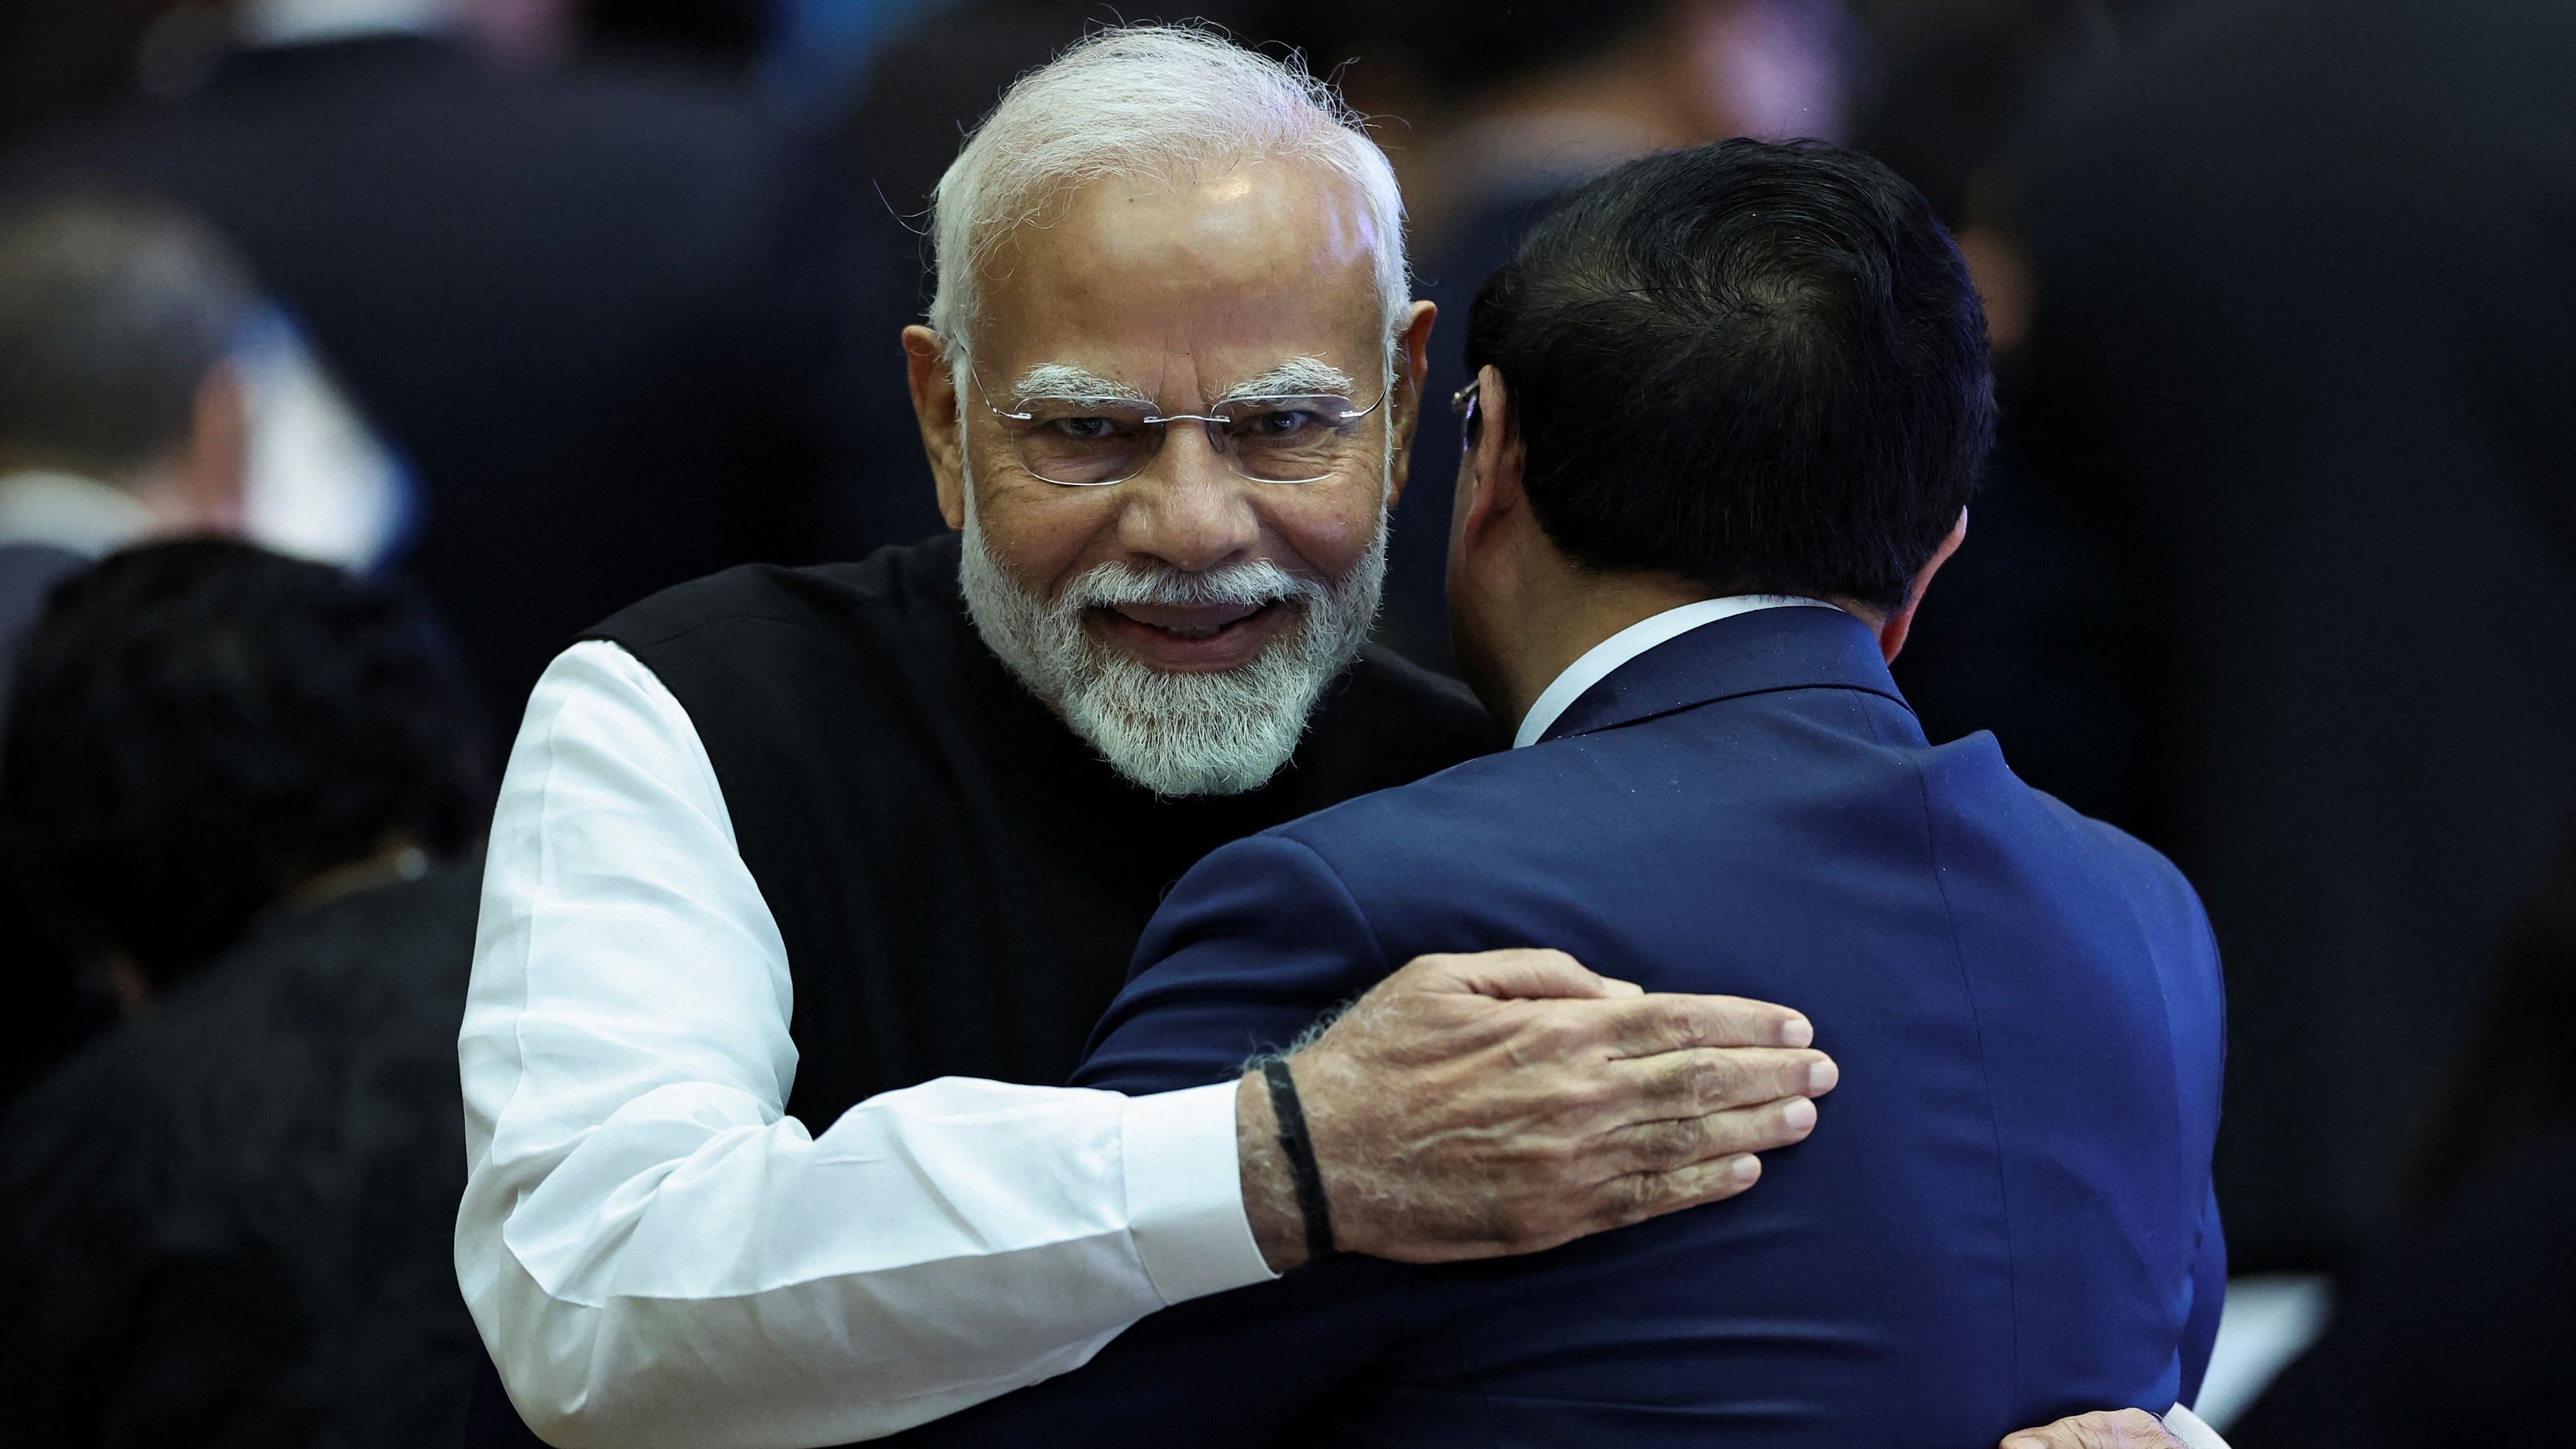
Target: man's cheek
1046 544
1330 539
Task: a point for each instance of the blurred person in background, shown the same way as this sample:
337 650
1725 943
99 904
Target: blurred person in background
604 311
2305 283
122 417
248 787
2463 1330
121 414
1532 100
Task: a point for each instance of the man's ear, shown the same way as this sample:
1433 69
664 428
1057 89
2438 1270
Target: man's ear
1891 635
943 425
1489 485
214 463
1404 405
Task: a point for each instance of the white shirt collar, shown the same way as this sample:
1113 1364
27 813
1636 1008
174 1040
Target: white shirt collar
66 511
1602 658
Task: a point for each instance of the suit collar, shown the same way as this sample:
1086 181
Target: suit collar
1604 658
1748 653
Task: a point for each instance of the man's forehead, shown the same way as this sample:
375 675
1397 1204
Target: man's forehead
1235 225
1147 284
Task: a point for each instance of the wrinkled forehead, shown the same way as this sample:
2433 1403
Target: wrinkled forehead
1182 292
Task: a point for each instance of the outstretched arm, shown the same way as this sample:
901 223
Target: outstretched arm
656 1253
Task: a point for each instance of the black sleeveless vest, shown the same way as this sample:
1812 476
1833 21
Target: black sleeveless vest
959 879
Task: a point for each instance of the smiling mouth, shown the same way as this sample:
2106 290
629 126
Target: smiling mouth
1191 622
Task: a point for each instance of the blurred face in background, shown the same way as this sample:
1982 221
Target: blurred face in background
1181 602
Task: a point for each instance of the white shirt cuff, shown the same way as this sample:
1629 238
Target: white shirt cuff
2187 1426
1185 1194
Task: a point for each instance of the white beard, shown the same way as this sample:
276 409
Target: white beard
1175 733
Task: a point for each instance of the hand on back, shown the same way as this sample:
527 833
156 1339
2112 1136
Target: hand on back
1475 1106
2126 1429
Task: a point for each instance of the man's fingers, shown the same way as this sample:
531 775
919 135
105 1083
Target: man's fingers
1665 1022
2127 1429
1711 1079
1639 1196
1690 1141
1516 974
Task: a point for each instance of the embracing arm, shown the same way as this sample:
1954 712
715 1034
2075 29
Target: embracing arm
654 1251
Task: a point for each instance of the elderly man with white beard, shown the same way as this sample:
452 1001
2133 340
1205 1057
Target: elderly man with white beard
806 886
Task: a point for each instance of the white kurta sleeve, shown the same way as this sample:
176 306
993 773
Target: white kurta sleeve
654 1252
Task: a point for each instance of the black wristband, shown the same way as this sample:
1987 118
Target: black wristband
1299 1145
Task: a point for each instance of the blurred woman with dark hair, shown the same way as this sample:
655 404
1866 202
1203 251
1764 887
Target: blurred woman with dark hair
248 789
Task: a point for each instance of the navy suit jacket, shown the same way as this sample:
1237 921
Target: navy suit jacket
2003 1215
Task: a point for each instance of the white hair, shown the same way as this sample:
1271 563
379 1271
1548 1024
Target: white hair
1153 102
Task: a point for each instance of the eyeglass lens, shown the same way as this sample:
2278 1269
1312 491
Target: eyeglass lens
1084 442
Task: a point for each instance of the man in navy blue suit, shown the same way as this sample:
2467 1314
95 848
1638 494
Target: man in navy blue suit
1729 405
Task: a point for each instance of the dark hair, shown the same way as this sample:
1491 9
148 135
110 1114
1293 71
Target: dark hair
199 727
113 310
1760 367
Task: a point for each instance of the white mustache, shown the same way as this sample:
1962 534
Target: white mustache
1243 585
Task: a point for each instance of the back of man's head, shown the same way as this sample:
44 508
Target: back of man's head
200 728
113 314
1759 368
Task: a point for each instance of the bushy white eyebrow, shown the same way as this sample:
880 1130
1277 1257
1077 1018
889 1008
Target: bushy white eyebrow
1073 384
1296 377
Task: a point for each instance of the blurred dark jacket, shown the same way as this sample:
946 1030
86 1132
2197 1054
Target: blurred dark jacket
2307 276
2463 1332
2461 1329
604 312
28 573
229 1221
48 1011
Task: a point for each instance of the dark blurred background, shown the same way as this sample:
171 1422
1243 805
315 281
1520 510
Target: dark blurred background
562 302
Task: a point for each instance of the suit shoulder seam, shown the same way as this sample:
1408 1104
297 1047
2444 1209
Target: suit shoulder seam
1985 1064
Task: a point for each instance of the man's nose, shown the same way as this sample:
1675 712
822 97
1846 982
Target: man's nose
1189 509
